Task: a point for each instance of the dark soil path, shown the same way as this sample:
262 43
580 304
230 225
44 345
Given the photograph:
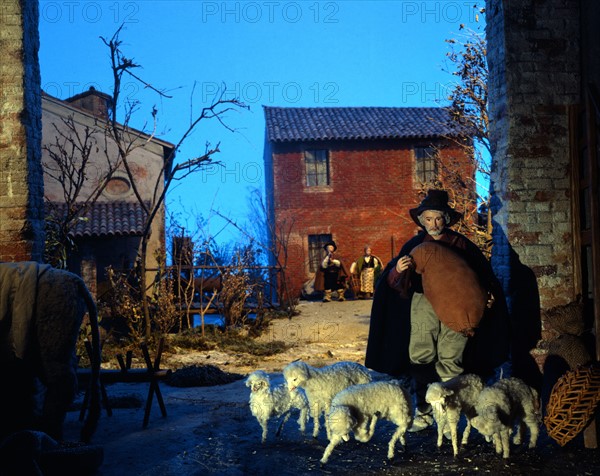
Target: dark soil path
210 430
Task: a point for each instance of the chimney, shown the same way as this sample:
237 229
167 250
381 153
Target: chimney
93 101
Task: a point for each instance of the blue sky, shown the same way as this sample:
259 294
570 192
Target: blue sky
274 53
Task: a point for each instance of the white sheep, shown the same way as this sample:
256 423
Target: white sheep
508 402
267 402
322 384
449 400
357 409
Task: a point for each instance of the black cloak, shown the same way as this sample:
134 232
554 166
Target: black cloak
389 332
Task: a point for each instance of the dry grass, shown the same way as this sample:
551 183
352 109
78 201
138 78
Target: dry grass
230 341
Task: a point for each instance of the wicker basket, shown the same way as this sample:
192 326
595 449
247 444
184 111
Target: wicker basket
572 403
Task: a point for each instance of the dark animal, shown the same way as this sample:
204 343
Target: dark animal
41 312
208 284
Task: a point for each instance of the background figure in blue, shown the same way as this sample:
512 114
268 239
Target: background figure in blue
433 351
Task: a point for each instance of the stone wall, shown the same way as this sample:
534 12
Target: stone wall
21 180
534 70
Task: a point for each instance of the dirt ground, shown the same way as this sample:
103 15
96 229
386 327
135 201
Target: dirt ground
210 430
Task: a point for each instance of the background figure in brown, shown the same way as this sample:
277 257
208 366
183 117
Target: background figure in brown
332 274
366 269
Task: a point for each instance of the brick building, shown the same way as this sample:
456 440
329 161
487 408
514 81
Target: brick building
21 184
350 174
544 124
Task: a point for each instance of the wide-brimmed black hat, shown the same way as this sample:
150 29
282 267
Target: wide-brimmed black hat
435 200
332 243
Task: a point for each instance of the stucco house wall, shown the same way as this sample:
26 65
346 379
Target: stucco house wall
111 233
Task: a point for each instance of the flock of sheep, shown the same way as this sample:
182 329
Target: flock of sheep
352 404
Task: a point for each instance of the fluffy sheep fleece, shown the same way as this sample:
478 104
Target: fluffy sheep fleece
266 402
507 403
322 384
357 409
449 400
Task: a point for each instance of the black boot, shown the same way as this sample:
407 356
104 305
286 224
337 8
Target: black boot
422 375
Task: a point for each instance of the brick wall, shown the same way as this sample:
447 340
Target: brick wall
21 182
371 189
534 71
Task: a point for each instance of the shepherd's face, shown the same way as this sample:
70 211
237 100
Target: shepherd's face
433 221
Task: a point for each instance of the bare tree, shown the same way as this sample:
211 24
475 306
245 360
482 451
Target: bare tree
468 119
128 139
469 111
199 274
182 272
69 162
273 238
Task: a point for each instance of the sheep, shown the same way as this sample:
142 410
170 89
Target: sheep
266 402
451 398
357 408
321 385
501 406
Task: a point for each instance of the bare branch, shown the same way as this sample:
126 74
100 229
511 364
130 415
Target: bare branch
468 110
70 154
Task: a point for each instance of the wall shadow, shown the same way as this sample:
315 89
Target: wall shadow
525 321
523 300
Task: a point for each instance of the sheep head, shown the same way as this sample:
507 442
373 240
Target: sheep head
258 381
341 422
437 394
295 375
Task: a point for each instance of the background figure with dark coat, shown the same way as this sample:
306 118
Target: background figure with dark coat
332 274
406 336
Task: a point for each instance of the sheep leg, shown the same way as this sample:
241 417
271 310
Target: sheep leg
496 439
466 433
441 424
285 418
316 414
454 435
452 425
518 436
505 442
264 426
327 430
372 427
439 419
398 435
534 431
364 434
335 440
303 419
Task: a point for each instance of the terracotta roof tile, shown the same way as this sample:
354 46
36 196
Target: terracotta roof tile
108 219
